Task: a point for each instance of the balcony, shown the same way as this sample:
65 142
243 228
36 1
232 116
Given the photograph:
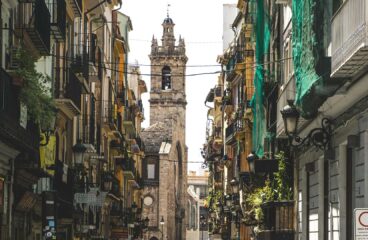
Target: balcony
80 67
129 169
88 130
279 221
33 19
129 122
76 5
10 129
234 130
227 105
350 39
68 101
57 10
111 115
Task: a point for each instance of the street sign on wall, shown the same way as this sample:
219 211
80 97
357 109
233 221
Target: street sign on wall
361 224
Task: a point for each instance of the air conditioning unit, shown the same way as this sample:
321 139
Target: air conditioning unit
283 2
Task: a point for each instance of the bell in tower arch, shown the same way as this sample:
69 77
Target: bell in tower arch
166 78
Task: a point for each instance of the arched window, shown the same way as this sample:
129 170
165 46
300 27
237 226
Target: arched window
166 78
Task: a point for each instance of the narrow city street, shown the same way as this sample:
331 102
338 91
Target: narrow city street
184 120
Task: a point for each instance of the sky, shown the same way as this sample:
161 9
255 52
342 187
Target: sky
199 22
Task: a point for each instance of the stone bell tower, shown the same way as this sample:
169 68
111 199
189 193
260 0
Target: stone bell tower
165 164
168 66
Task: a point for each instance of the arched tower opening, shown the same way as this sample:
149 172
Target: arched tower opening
166 78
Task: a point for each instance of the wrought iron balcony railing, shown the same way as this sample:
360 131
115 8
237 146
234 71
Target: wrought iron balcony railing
233 128
129 169
33 18
73 89
278 221
80 64
57 10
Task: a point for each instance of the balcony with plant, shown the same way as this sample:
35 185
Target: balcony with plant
211 202
269 207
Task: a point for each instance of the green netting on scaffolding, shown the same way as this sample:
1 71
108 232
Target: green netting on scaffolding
262 38
308 54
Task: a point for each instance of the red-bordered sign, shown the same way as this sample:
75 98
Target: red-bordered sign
361 224
363 218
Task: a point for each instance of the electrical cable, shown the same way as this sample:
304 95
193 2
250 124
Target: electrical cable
167 160
179 75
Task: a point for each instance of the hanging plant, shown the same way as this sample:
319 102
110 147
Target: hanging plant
282 180
35 93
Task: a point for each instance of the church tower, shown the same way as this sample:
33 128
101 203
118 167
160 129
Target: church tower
168 65
165 163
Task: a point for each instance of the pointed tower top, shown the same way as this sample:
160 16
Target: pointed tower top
168 20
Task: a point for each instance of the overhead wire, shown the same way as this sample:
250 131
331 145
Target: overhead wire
252 65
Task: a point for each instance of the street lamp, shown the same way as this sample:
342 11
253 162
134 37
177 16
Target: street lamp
319 137
251 161
228 201
79 149
290 116
48 130
162 222
78 152
234 186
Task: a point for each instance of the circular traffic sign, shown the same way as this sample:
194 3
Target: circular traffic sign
363 219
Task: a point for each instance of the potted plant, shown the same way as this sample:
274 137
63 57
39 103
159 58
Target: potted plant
278 211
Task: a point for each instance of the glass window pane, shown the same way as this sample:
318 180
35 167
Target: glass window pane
150 171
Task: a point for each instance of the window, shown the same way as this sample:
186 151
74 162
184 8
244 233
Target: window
150 171
166 78
288 64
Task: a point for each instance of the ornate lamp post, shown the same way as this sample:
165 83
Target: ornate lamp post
79 149
319 137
